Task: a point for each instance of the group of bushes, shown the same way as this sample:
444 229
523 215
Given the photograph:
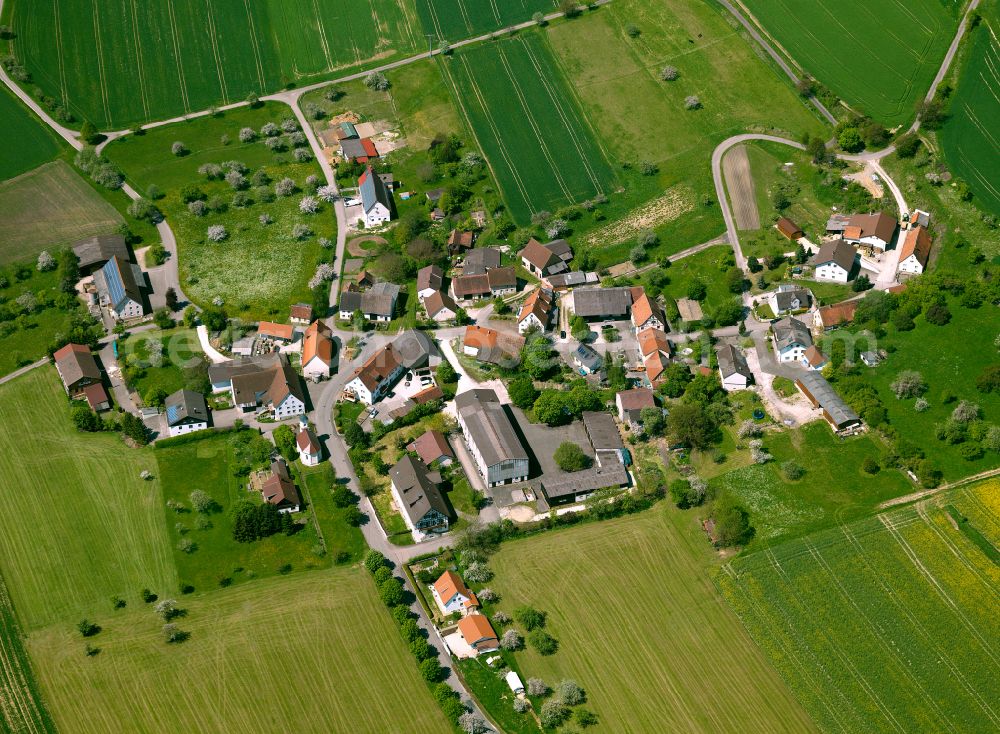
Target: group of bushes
128 424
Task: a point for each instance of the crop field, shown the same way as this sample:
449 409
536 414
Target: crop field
21 706
879 57
48 207
887 624
970 139
308 652
258 269
642 628
36 144
119 63
454 20
77 524
540 147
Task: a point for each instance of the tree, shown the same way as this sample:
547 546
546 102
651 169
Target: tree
202 502
87 628
585 718
470 723
554 712
167 609
354 435
88 133
529 618
792 470
523 393
133 427
45 262
861 283
669 73
850 140
570 457
543 642
178 148
937 314
84 419
537 687
697 290
805 87
446 374
391 592
908 384
690 425
735 280
687 493
171 299
216 233
374 560
675 379
430 670
932 114
511 640
907 145
989 379
692 102
570 692
377 81
732 522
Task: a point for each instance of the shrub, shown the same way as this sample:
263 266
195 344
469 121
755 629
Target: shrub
792 470
529 618
692 103
247 135
570 692
543 642
570 457
216 233
553 713
178 148
908 384
537 687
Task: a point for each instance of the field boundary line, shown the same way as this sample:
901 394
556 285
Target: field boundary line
846 661
956 551
971 495
215 51
924 493
526 109
140 73
255 44
561 111
928 638
879 635
945 596
515 176
182 82
322 36
429 4
791 654
99 54
465 14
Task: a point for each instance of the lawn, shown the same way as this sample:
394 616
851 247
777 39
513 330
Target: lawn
207 465
344 543
855 49
258 270
36 143
701 267
454 20
49 207
121 63
309 652
887 624
77 524
543 154
181 352
638 117
833 489
642 628
970 139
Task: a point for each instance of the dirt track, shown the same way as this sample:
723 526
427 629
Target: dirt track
355 249
739 182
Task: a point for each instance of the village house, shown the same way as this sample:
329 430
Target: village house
494 282
358 150
573 279
432 448
544 260
378 303
260 384
301 314
276 332
429 280
418 498
452 595
279 489
646 313
92 253
733 368
317 352
310 449
481 260
535 312
830 317
655 352
834 261
914 253
791 339
876 231
364 279
118 285
376 200
440 307
458 241
380 372
595 304
587 360
492 440
789 229
492 346
787 298
81 376
186 412
478 633
821 394
570 487
631 403
813 359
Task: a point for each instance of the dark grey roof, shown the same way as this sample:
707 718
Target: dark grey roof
828 399
489 426
588 358
601 302
588 480
350 301
732 362
837 251
118 283
184 405
430 277
790 331
571 279
561 249
379 300
414 349
480 260
226 371
603 431
353 148
100 249
419 494
784 298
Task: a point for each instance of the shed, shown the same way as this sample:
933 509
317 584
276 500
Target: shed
514 682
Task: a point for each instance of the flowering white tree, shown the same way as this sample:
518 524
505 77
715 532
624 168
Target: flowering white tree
511 640
537 687
692 102
749 429
757 452
377 81
296 139
965 412
289 125
301 231
247 135
166 608
308 205
217 301
669 73
239 166
324 272
27 302
210 170
275 144
178 148
217 233
522 705
45 261
302 155
285 187
327 193
470 723
269 130
570 692
154 351
197 207
237 180
501 618
557 228
908 384
265 219
478 573
487 595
